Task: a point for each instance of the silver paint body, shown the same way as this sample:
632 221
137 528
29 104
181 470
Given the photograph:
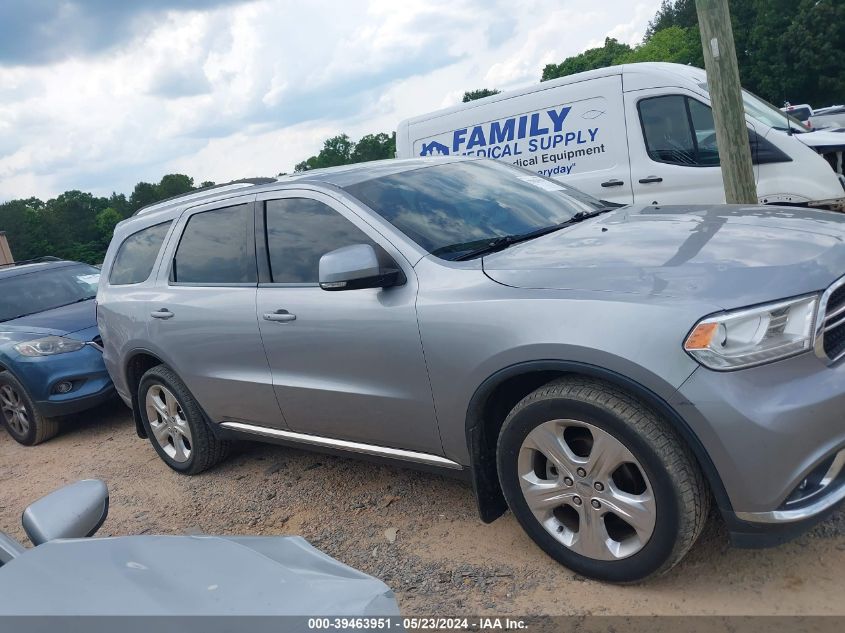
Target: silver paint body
398 367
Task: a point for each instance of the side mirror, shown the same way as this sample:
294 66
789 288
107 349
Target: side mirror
75 511
355 267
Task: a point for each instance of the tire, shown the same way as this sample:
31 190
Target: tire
178 431
600 446
26 425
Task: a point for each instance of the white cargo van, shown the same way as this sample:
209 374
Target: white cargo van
633 133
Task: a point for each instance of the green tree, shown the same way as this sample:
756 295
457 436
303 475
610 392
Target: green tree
472 95
143 194
174 185
106 220
588 60
673 44
680 13
341 150
374 147
337 150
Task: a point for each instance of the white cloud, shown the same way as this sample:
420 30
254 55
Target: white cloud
252 89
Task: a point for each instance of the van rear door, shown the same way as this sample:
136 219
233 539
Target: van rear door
574 133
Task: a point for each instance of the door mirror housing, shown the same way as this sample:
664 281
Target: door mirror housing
355 267
75 511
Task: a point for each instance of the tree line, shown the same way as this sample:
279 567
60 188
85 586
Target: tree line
787 50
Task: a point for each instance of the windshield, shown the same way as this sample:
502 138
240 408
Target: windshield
802 114
42 290
465 203
766 113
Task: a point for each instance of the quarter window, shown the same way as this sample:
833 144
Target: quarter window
216 248
299 232
136 256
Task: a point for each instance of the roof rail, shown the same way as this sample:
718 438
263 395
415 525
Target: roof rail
234 184
36 260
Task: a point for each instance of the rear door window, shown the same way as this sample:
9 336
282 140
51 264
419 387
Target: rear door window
216 248
137 255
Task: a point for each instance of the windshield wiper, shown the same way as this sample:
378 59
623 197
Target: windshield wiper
496 244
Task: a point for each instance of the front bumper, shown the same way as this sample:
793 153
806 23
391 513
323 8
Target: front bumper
769 430
83 368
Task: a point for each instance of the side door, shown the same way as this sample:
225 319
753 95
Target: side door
203 313
346 365
674 156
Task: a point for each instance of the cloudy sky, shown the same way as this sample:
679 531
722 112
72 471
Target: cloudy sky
99 94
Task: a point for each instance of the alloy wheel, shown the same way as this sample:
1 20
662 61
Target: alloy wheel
586 489
168 423
14 410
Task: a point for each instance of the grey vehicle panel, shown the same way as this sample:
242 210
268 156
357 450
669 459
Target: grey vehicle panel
467 311
402 367
331 374
223 362
755 426
685 252
185 576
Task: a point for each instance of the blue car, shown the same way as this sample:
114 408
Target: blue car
51 361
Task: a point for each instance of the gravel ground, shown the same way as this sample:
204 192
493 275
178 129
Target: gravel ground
418 532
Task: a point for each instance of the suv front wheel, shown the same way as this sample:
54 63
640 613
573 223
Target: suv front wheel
175 423
599 481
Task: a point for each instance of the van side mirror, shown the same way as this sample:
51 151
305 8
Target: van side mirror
355 267
75 511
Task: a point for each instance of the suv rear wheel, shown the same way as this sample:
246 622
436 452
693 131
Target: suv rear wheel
19 415
599 481
176 425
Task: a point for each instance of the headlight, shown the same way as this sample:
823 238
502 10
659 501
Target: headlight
48 346
754 336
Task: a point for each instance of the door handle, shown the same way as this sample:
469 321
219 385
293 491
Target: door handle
281 316
613 182
162 313
645 181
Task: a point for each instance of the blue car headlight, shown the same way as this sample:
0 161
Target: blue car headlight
49 346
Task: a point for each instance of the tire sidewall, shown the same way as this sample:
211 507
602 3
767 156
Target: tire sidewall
662 542
27 439
152 378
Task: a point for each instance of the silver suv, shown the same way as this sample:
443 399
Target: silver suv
602 372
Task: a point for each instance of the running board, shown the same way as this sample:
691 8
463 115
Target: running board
346 445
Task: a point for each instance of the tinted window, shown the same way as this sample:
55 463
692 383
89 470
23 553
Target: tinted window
41 290
299 232
701 116
666 128
215 248
136 256
450 209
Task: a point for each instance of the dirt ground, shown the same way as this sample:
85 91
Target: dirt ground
442 561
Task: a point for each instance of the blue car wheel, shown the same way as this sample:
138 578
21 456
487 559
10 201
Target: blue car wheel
19 415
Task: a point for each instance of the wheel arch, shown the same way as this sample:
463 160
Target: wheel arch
138 362
500 392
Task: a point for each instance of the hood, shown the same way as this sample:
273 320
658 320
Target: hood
58 321
727 255
823 138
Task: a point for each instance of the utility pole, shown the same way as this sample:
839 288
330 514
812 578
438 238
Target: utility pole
717 40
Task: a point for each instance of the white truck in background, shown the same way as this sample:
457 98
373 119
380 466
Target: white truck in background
635 133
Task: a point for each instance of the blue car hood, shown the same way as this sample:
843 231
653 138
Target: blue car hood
58 321
726 255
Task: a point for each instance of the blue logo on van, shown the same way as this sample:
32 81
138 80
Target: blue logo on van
434 149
